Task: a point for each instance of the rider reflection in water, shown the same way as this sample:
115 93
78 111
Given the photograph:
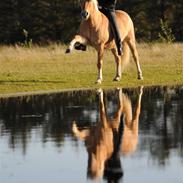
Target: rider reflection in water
113 170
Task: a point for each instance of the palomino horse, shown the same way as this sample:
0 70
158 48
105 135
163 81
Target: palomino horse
95 30
110 138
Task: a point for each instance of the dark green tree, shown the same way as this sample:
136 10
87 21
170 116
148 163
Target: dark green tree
58 20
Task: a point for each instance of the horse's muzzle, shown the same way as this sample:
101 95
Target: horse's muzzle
84 14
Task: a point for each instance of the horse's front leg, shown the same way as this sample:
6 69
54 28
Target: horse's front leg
99 64
76 39
103 116
81 134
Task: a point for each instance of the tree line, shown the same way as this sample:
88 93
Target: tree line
44 21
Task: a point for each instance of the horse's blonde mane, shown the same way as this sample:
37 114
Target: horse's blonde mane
95 3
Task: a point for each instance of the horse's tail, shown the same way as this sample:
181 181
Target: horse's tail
125 58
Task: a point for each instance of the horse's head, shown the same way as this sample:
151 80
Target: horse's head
95 165
88 7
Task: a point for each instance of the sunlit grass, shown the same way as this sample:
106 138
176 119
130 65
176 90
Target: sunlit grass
49 68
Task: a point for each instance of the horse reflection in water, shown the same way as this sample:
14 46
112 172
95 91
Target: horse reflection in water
106 141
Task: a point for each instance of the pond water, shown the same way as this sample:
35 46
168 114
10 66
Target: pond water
118 135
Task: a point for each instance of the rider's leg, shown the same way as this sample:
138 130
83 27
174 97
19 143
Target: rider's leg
111 15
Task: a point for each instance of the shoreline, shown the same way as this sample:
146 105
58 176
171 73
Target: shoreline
50 92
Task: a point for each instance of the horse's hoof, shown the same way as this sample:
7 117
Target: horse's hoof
67 51
118 89
99 91
99 81
141 89
140 78
117 78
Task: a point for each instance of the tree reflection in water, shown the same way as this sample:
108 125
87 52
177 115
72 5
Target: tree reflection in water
48 115
161 120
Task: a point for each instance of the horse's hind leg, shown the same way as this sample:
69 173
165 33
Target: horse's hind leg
77 38
132 45
118 65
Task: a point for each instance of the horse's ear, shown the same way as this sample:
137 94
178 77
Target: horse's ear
79 2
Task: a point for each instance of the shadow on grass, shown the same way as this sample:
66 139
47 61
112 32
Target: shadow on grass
29 82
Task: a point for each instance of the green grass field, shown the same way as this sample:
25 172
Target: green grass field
50 69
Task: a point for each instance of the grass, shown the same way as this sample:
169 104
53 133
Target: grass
49 68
